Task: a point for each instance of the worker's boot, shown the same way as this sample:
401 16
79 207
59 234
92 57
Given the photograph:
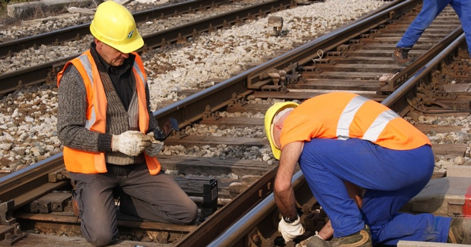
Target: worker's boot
359 239
401 56
460 231
316 241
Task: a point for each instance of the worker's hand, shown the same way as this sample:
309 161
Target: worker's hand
131 142
289 231
154 148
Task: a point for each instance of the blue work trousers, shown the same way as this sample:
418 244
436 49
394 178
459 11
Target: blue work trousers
390 177
430 10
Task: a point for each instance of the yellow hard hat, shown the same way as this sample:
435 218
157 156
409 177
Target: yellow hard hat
114 25
269 116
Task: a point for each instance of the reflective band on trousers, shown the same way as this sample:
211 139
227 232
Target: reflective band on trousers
375 129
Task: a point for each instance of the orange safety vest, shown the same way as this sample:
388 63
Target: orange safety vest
94 162
343 115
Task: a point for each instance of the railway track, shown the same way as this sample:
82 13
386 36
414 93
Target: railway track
45 73
80 31
352 58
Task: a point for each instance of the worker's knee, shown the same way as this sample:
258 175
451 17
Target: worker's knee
189 215
100 238
100 241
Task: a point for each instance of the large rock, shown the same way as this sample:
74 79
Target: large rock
22 10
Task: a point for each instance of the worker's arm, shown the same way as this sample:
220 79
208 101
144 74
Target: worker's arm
290 225
283 191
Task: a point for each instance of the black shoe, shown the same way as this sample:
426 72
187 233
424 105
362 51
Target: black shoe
359 239
401 56
460 231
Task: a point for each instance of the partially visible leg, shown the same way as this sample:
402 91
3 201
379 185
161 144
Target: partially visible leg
463 9
412 169
94 196
156 198
430 10
327 163
407 173
420 227
388 226
428 13
355 192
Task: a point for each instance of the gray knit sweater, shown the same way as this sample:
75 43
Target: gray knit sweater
72 102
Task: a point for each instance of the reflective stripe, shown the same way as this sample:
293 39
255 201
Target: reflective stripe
378 125
88 68
346 118
89 123
375 129
139 72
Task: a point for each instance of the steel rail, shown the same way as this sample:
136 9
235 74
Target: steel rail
33 181
189 109
211 228
247 222
181 33
393 83
77 32
306 52
398 99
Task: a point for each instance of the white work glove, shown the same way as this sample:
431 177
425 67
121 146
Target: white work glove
289 231
154 149
131 142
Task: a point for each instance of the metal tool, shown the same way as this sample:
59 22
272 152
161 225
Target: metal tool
169 126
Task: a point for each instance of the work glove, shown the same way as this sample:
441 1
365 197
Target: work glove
289 231
131 142
155 147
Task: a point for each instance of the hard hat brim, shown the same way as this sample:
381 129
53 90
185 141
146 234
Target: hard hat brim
130 47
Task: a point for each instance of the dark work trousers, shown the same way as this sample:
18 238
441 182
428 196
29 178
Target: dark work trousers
156 198
391 178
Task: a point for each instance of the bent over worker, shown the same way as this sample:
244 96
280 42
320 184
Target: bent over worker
106 125
339 138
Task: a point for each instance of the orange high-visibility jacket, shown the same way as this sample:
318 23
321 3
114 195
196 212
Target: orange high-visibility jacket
94 162
343 115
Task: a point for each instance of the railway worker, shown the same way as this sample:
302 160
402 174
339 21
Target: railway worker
103 119
340 138
430 10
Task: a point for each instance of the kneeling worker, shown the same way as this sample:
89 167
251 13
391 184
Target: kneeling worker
103 120
342 138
